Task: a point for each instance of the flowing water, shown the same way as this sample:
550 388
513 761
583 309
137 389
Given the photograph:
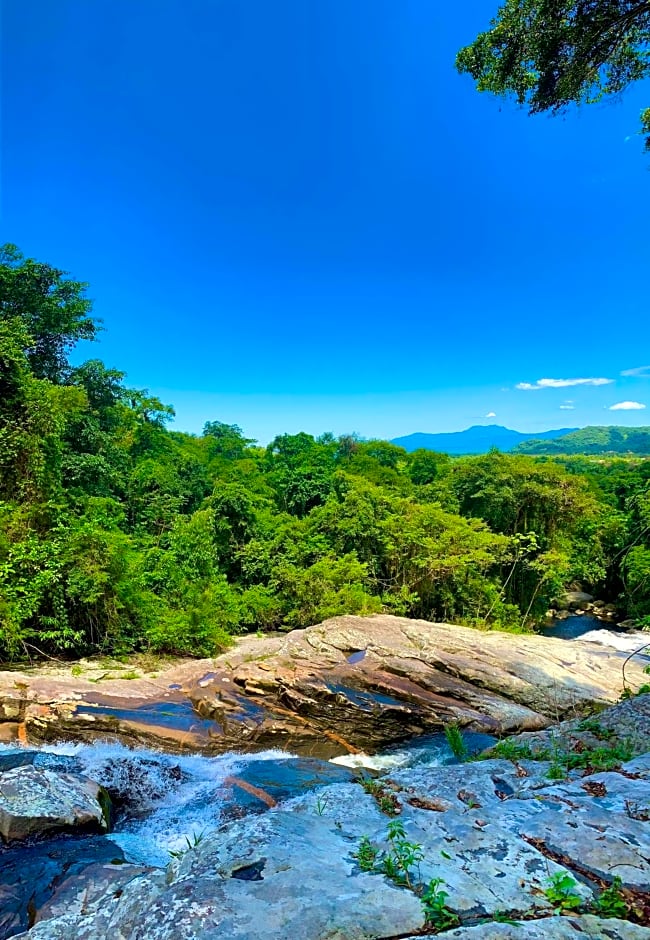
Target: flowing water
162 799
165 800
591 630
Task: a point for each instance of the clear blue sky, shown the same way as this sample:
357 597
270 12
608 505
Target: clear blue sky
296 215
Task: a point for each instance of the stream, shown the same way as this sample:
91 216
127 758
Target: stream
592 630
163 802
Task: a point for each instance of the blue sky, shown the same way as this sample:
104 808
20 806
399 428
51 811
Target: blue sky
297 216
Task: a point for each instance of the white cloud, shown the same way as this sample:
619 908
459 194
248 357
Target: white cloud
560 383
627 406
491 414
567 407
641 372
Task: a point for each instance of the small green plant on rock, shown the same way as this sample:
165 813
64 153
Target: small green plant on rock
556 772
512 750
385 798
607 757
434 904
403 856
366 854
401 863
398 863
560 892
192 843
370 786
593 726
456 741
611 902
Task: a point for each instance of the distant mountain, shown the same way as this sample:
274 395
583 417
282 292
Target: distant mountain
593 440
478 439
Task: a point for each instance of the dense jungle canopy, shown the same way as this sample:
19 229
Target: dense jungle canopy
119 534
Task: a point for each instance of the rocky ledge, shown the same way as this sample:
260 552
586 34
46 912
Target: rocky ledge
489 849
347 684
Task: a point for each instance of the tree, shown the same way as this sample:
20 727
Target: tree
550 54
53 310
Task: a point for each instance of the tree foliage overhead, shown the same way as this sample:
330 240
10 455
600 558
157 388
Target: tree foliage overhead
550 54
119 534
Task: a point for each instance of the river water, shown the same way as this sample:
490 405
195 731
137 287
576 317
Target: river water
591 630
163 801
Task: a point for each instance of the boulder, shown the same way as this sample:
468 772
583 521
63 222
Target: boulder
573 600
348 684
628 625
34 801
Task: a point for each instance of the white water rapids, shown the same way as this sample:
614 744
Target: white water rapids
169 798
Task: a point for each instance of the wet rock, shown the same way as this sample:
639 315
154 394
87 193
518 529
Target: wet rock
23 757
265 783
30 876
310 691
34 801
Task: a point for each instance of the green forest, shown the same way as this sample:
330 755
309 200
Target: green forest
118 534
592 440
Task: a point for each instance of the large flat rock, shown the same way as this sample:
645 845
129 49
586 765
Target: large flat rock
351 683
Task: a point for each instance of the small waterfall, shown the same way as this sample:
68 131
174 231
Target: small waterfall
162 800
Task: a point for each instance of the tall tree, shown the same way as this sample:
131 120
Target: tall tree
52 308
550 54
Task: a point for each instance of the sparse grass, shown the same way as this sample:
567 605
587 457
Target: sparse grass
568 754
385 798
321 805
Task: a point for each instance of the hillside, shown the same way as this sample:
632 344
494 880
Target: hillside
478 439
592 440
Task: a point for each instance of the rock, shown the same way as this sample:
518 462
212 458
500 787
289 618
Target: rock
33 876
628 625
573 927
626 723
34 801
311 692
572 600
493 831
85 883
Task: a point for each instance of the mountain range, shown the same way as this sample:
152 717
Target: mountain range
478 439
